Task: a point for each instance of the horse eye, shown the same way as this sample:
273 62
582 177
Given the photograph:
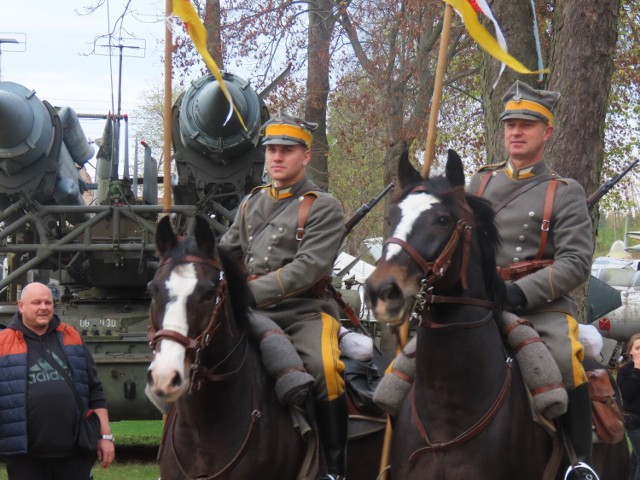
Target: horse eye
208 295
444 220
206 291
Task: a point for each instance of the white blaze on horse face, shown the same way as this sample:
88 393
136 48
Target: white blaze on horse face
411 207
171 355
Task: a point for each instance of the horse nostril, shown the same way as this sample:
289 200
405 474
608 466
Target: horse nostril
176 381
149 378
390 291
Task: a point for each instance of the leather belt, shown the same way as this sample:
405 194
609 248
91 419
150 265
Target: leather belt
517 270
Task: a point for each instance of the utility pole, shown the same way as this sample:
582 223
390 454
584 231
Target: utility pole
120 46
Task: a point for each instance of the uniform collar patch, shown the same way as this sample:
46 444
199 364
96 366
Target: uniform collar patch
280 193
523 173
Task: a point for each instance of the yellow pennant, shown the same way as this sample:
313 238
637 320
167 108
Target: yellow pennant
187 13
485 39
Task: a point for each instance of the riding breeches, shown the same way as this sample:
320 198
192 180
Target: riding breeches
312 326
559 331
315 337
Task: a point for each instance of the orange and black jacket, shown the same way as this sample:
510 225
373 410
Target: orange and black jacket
17 419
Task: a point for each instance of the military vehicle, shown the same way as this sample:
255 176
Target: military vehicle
99 255
620 271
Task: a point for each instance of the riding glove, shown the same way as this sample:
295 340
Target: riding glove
515 296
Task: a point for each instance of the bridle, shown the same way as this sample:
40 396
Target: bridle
199 372
435 272
197 345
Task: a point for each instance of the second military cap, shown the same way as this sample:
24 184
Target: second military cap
283 129
523 101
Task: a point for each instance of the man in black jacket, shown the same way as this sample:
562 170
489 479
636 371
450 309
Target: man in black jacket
38 409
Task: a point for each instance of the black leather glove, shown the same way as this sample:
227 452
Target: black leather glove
515 296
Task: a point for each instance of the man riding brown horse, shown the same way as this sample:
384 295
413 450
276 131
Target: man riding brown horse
546 243
287 234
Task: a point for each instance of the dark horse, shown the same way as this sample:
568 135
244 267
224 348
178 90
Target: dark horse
226 422
467 415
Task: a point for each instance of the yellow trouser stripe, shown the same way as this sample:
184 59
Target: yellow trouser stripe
577 353
333 366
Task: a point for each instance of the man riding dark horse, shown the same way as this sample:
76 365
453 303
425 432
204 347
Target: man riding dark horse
288 234
546 244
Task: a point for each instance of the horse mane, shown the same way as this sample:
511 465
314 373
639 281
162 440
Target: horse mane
488 241
239 291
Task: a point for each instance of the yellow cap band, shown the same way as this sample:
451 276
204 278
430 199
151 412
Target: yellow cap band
524 105
283 130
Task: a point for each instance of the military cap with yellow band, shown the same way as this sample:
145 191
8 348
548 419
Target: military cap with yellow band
524 102
283 129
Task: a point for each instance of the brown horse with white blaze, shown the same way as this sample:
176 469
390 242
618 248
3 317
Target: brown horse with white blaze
467 414
226 422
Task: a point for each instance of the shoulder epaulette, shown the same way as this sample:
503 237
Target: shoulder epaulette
258 188
312 192
560 178
493 166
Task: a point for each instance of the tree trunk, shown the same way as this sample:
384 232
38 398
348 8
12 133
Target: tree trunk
516 21
212 26
321 26
581 61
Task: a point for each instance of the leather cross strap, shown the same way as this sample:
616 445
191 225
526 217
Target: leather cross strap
303 213
547 215
524 188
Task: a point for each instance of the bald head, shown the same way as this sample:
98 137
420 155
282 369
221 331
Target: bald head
36 307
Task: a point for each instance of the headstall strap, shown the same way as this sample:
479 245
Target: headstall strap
427 267
204 338
436 271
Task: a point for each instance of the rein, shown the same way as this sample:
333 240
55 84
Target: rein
256 414
483 422
470 432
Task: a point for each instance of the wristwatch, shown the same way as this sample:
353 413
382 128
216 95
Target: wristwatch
107 437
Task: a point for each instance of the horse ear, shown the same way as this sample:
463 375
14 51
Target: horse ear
165 238
205 239
407 174
454 170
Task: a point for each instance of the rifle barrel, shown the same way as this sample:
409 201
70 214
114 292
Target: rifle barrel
364 209
603 189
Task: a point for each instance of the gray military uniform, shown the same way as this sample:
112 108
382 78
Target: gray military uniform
283 271
569 245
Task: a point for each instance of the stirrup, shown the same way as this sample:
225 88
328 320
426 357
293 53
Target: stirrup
582 471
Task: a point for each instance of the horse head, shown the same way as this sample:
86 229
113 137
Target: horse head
195 294
439 236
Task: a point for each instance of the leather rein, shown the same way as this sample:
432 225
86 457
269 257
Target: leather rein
435 272
198 371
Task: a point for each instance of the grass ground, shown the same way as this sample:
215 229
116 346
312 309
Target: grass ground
135 432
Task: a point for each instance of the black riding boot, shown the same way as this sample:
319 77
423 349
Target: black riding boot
331 419
576 424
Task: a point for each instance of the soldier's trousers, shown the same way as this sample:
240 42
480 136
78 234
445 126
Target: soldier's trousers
559 331
315 337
